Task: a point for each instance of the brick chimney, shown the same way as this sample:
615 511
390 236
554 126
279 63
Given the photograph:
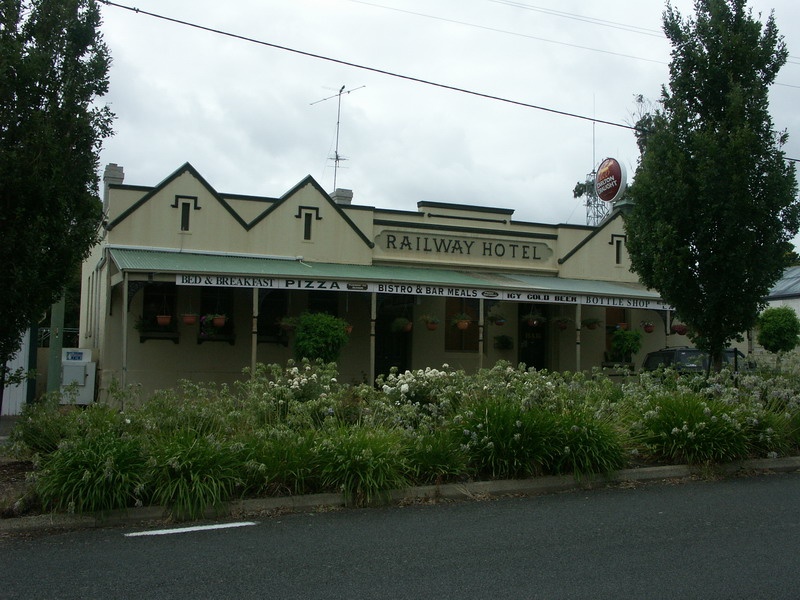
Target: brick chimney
113 174
342 196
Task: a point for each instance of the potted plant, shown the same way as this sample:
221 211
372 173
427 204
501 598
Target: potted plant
648 326
591 323
496 319
461 320
218 320
319 336
189 318
163 320
562 322
535 319
402 324
679 328
431 321
624 344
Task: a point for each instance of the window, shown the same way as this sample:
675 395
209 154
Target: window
324 302
185 211
185 206
158 306
308 214
216 301
461 340
273 305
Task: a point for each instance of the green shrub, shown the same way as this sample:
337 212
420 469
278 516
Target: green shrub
94 473
685 427
436 457
364 463
586 444
41 426
319 336
503 439
281 461
190 473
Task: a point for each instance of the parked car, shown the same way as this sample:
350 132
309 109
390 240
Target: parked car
691 360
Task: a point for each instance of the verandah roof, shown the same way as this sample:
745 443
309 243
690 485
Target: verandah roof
506 284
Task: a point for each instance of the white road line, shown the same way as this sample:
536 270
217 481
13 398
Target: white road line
190 529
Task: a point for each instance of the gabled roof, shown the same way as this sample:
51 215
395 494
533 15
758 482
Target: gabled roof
247 226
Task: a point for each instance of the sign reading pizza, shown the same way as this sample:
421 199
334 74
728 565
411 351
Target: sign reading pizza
610 181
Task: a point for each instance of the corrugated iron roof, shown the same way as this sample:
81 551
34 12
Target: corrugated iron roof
162 261
788 286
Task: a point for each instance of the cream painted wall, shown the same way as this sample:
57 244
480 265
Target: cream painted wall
156 224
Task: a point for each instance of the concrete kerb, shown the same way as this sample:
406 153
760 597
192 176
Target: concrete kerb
155 515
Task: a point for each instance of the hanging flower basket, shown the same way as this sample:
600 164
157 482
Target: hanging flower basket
189 319
562 323
218 320
431 322
679 328
402 324
591 323
498 320
534 320
461 320
648 327
163 320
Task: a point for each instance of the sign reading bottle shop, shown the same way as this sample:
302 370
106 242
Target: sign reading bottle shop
464 248
417 289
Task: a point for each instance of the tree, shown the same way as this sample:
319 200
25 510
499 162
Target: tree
714 198
53 67
319 336
778 329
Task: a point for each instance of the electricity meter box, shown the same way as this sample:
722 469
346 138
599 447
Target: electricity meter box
77 376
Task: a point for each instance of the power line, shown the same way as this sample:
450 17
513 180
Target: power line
557 13
507 32
367 68
376 70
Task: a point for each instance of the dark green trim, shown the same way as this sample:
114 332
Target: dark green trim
589 237
483 209
309 180
461 218
494 232
275 203
186 168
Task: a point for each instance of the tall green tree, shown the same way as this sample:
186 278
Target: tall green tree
53 68
715 201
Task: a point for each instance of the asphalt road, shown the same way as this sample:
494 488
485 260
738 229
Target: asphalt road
738 538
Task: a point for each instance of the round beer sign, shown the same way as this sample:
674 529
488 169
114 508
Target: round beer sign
610 182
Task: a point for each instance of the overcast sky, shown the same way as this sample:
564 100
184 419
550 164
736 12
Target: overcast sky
252 119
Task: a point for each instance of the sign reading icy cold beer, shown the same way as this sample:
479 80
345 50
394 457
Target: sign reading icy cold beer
418 289
466 249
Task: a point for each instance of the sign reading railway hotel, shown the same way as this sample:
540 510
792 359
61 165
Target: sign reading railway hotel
441 246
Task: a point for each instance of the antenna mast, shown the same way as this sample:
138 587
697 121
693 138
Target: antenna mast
336 156
596 209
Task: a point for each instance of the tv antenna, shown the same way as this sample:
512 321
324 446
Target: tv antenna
337 158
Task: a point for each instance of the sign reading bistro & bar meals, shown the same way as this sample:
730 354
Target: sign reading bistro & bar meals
336 285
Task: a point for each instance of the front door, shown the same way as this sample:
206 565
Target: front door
392 344
533 335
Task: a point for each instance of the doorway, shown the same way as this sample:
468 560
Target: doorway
392 346
532 335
